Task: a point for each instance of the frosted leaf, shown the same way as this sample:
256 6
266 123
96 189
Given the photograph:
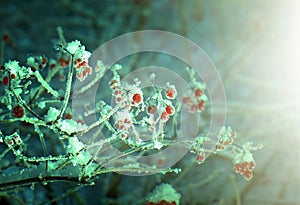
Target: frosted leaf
51 114
42 104
31 61
76 148
73 46
18 91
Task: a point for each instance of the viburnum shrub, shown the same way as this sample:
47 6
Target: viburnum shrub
35 103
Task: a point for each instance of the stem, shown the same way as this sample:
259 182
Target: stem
68 91
45 84
38 174
42 139
95 124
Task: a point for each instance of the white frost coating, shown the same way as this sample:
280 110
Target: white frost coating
82 54
51 114
164 192
76 148
73 46
14 68
123 115
70 126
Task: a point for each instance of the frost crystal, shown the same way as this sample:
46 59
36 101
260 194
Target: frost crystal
73 46
21 71
70 126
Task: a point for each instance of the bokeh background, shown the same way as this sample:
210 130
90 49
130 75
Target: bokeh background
255 47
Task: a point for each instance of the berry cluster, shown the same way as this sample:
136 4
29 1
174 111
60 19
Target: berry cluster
62 62
13 140
197 148
225 138
123 122
80 60
162 202
245 169
79 57
37 62
196 101
243 159
165 115
126 95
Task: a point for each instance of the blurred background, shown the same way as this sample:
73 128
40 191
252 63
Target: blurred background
255 48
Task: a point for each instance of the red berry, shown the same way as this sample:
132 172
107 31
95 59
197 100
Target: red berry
163 202
200 105
82 64
248 174
173 203
201 157
52 66
68 116
170 110
12 76
198 92
18 111
5 81
186 100
137 98
112 82
63 62
33 69
171 93
118 99
164 116
160 162
151 109
44 61
251 165
5 38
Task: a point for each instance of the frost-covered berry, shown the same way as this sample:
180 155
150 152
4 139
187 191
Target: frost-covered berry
164 116
201 157
171 91
151 109
201 105
170 109
12 76
198 92
137 98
